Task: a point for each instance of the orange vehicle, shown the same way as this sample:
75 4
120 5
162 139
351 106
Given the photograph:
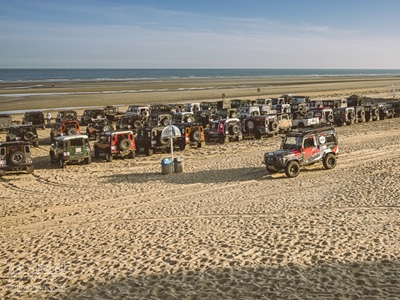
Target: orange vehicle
70 127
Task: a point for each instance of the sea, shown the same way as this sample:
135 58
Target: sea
28 77
54 75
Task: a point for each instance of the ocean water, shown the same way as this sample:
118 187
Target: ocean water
51 75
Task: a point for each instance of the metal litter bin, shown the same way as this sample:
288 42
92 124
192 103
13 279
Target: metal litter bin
166 166
178 165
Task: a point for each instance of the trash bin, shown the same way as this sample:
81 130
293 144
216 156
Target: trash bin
166 166
178 165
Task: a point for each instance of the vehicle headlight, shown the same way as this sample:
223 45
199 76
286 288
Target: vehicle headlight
66 153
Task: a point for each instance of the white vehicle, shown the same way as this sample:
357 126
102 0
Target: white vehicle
248 111
143 111
182 117
308 121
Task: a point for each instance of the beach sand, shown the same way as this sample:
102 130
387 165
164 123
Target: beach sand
222 229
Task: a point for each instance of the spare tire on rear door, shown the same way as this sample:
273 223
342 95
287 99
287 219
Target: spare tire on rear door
196 135
124 144
29 136
234 129
17 158
273 126
71 131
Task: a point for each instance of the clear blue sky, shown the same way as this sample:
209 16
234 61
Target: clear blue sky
200 34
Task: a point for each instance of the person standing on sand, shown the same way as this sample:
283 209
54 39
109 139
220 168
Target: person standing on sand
48 117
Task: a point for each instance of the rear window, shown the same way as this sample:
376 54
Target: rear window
76 142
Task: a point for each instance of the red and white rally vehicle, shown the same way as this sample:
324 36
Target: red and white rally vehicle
302 148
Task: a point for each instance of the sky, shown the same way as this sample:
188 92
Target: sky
350 34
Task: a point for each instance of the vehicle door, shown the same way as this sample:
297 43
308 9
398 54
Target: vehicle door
309 148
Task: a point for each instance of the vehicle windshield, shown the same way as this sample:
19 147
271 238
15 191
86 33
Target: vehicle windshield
291 142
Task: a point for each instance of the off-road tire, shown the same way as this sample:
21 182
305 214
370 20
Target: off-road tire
96 153
182 146
165 122
329 161
71 131
108 127
163 141
274 126
148 151
29 136
88 160
257 135
339 122
131 154
17 158
108 156
196 135
301 125
124 144
221 139
36 143
292 169
137 124
29 169
61 163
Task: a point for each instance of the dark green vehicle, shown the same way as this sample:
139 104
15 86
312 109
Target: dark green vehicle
15 156
71 149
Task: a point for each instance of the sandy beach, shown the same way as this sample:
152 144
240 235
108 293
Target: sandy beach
222 229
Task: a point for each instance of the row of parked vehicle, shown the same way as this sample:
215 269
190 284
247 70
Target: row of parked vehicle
139 128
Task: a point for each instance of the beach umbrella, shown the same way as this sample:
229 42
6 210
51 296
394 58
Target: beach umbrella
170 132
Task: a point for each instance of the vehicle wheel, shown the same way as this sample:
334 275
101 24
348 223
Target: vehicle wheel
207 138
88 160
124 144
339 122
292 169
301 125
71 131
329 161
17 158
131 154
274 126
221 139
148 151
61 162
29 169
96 153
271 171
108 127
108 156
36 143
182 146
52 137
165 122
163 141
29 136
137 124
235 129
257 135
196 135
